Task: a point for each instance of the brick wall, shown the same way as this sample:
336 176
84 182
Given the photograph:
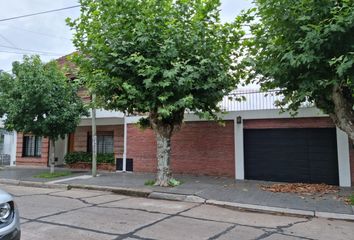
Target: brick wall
84 94
200 148
319 122
33 161
351 154
80 138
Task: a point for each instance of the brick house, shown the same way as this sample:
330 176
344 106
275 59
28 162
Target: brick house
256 142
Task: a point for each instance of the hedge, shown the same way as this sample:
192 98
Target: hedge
75 157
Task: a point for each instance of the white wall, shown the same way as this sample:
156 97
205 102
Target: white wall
61 146
10 141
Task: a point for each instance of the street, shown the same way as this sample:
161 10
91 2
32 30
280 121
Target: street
77 214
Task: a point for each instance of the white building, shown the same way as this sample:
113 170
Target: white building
7 146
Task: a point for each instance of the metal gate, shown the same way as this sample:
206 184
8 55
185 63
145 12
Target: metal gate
292 155
5 160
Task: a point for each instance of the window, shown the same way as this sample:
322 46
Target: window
104 142
32 146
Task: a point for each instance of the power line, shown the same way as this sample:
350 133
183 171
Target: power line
39 33
38 13
30 50
7 40
24 53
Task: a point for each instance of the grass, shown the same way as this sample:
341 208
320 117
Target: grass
149 182
172 183
351 200
52 175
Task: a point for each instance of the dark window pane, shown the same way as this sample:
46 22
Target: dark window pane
32 146
105 142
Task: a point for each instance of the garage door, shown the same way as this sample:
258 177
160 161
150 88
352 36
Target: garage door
291 155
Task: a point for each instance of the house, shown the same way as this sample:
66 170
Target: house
7 146
256 142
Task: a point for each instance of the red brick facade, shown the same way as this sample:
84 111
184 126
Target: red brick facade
34 161
319 122
351 153
199 148
80 138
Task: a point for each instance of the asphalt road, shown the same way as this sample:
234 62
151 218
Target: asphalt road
59 214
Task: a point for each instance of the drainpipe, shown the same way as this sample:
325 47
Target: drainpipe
125 144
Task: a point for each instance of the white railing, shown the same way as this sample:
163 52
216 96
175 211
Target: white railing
251 100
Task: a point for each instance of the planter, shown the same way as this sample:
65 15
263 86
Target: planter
88 166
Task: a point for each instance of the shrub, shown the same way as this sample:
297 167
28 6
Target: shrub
75 157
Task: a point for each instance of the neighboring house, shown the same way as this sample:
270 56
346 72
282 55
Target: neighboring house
7 147
257 143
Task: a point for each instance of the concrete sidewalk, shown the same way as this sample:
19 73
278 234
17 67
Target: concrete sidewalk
218 191
28 173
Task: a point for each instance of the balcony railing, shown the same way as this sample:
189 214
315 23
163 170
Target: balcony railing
254 100
251 100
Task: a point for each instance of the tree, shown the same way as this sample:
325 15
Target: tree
40 100
306 50
159 57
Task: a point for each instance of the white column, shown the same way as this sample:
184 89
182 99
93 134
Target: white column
125 145
343 159
13 149
239 152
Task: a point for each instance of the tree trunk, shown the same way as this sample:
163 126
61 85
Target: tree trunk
163 159
52 155
343 114
164 128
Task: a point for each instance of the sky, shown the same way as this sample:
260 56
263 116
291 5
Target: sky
48 34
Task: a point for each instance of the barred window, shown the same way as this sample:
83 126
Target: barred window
32 146
104 142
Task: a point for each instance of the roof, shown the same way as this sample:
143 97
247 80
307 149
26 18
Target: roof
68 66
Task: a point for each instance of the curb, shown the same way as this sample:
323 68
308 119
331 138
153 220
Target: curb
176 197
338 216
117 190
33 184
262 209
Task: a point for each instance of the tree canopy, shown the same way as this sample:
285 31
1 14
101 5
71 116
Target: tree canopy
306 50
38 98
159 57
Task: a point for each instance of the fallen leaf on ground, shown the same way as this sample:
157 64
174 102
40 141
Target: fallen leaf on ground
300 188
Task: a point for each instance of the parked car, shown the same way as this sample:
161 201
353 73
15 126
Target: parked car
9 218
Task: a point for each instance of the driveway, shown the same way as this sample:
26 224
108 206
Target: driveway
75 214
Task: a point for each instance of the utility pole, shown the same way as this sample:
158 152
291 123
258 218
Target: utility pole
52 154
94 137
124 168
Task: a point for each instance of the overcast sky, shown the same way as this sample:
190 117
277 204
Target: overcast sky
48 33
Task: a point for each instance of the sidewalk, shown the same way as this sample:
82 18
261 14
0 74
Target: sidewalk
28 173
219 191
